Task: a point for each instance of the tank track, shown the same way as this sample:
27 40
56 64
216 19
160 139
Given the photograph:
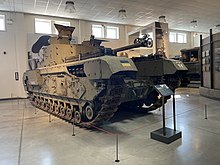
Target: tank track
109 105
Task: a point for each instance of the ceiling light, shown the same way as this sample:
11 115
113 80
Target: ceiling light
194 23
195 34
70 8
162 19
122 14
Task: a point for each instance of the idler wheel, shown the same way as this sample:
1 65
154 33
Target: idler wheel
89 112
77 117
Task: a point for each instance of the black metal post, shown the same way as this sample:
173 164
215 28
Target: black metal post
200 61
164 129
117 148
174 112
211 60
206 112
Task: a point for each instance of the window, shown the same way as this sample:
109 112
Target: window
43 26
2 22
112 32
64 23
178 37
172 37
46 26
101 31
181 37
98 31
61 23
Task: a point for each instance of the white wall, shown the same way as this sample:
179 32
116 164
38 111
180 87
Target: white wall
13 42
30 24
174 48
196 38
86 32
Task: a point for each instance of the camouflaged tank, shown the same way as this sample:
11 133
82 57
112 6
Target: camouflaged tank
83 83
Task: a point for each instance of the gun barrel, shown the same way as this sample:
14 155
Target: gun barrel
128 47
139 42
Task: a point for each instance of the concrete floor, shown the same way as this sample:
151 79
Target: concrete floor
27 138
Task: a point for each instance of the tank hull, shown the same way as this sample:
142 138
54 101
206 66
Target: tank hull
88 91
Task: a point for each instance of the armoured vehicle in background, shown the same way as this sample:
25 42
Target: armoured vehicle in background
159 70
85 82
190 57
153 64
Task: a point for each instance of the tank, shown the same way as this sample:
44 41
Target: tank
83 83
159 69
156 66
190 57
156 69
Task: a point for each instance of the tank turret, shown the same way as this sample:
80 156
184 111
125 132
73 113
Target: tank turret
56 50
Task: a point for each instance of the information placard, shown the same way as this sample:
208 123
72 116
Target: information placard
163 90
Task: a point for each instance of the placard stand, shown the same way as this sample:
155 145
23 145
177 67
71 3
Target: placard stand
166 135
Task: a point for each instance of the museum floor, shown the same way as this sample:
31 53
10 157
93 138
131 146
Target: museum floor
27 138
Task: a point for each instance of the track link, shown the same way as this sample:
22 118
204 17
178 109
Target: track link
58 106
